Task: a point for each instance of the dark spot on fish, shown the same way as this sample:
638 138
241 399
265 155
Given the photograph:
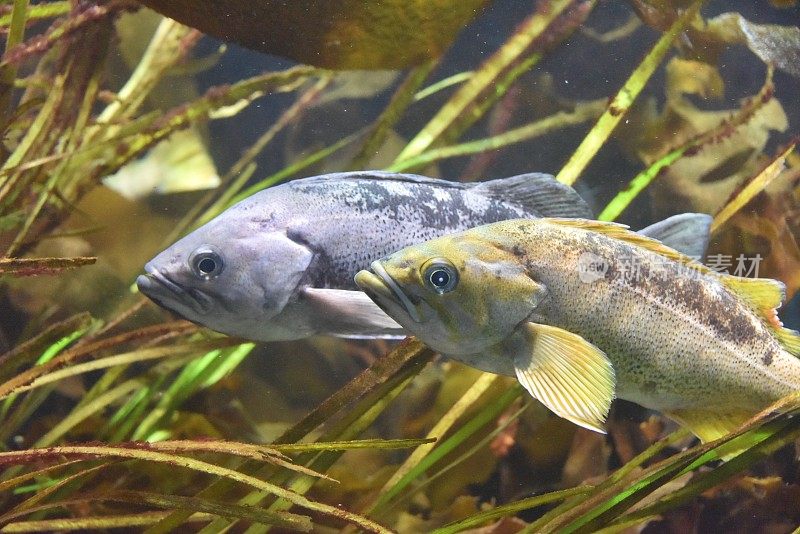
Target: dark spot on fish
524 229
264 222
768 358
649 387
518 251
723 313
414 299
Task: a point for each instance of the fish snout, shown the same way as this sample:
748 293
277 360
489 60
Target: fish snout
380 286
159 288
153 280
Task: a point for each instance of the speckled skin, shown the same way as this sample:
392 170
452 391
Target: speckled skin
317 233
678 339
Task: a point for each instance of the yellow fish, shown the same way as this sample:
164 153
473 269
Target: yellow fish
582 311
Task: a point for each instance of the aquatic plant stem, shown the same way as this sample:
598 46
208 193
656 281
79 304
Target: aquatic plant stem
444 424
623 100
164 50
487 414
36 12
294 168
434 88
582 113
8 72
625 488
509 54
506 510
101 451
642 180
403 96
383 375
245 165
744 195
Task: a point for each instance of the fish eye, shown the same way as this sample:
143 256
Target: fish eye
440 275
206 262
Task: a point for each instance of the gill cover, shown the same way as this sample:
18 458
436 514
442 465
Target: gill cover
282 268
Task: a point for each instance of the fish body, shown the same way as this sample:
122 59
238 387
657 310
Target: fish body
279 265
581 311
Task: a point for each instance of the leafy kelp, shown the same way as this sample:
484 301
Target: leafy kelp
122 130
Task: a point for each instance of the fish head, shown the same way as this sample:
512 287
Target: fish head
228 275
460 294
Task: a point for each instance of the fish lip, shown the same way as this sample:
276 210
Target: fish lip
392 289
159 288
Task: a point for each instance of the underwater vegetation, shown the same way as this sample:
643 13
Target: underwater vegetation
123 130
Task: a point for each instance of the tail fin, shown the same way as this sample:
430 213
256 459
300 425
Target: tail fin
538 193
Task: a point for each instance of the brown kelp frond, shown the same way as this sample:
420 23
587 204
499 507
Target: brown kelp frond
727 126
379 35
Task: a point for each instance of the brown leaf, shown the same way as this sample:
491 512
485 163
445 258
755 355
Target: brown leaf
733 140
348 34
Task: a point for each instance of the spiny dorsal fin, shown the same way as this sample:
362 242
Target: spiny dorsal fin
538 193
623 233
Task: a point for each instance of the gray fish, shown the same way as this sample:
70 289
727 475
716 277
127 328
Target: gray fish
279 265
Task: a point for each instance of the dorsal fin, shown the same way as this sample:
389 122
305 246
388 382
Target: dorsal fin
789 339
623 233
688 233
538 193
765 296
385 176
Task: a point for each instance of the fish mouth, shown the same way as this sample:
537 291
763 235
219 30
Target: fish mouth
382 288
160 289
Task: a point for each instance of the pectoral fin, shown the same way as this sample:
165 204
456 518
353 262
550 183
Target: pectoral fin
566 373
350 314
